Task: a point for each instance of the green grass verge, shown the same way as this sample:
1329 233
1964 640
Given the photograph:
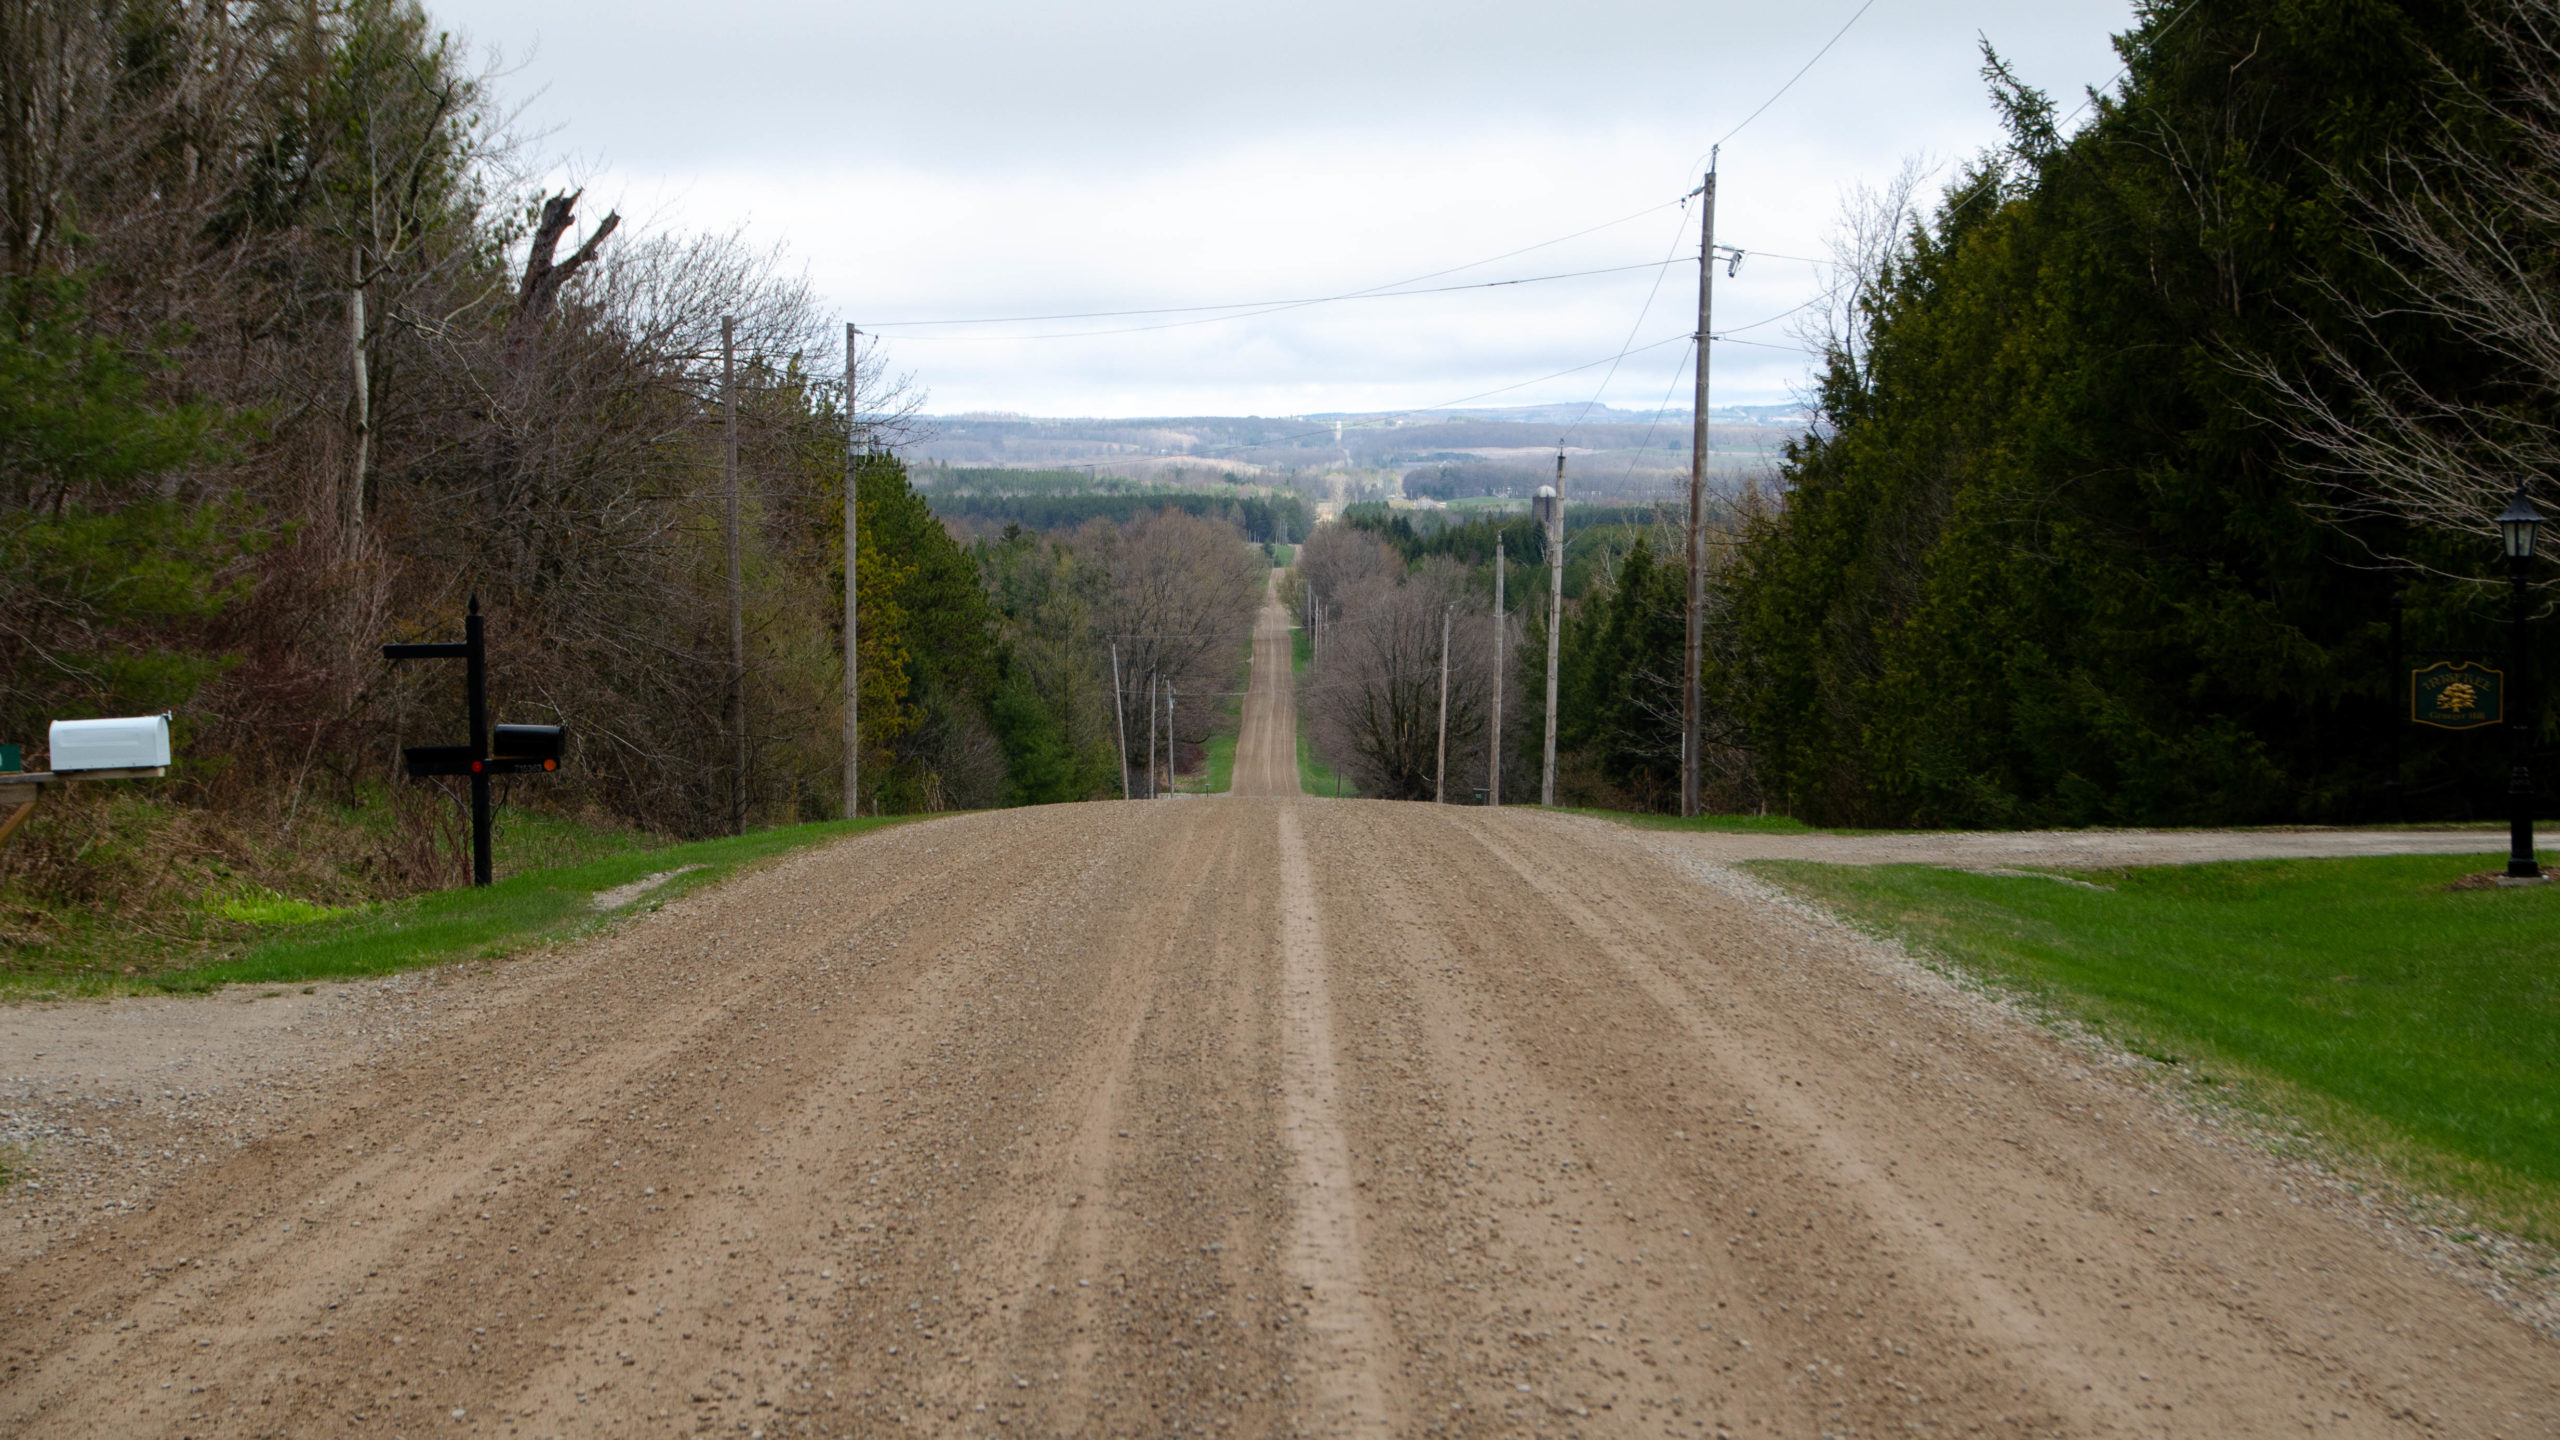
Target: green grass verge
1316 777
1219 773
532 908
2405 1022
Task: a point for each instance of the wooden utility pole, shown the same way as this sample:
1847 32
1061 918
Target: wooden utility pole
852 687
1120 720
1440 769
1493 781
1693 653
1151 735
1555 625
737 582
1172 782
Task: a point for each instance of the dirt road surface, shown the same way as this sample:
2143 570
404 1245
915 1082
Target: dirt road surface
1263 1116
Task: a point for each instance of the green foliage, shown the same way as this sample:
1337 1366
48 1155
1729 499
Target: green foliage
2043 566
932 672
2402 1015
271 908
1054 714
105 575
80 417
1617 703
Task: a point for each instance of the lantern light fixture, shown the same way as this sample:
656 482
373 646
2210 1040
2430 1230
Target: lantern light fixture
2517 525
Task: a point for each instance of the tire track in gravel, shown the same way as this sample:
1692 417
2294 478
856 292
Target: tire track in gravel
1003 1125
373 1245
2131 1279
1342 1350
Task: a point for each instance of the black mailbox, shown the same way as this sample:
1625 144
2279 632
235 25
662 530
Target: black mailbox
529 742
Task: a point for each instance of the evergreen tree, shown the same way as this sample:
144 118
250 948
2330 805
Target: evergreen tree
2044 565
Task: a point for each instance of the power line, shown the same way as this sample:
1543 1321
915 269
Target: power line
1251 308
1792 79
1642 315
1255 309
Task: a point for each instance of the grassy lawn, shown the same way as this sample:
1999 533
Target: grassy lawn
533 907
2414 1024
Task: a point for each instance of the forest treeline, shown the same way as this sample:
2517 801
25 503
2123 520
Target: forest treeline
2067 550
1262 519
295 359
1377 588
2136 448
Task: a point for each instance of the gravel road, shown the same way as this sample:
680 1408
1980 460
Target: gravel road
1268 1116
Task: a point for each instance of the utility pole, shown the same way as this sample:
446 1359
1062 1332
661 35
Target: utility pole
1440 770
737 585
1172 781
1693 653
852 690
1151 734
2396 706
1493 782
1555 625
1120 720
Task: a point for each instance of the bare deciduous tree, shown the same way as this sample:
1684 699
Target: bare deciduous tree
1180 602
1373 702
2469 223
1871 237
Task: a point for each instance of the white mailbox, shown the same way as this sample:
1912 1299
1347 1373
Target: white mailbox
138 742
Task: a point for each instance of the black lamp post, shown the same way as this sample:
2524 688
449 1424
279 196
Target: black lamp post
2517 527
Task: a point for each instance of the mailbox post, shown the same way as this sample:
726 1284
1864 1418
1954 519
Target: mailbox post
133 747
519 749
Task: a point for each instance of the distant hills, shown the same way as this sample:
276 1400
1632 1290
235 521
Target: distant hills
1640 453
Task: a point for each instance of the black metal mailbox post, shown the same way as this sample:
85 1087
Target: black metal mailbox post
519 749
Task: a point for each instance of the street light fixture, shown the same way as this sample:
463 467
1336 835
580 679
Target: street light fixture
2518 527
2517 524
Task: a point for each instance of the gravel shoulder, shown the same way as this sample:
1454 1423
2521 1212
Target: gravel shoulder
1261 1116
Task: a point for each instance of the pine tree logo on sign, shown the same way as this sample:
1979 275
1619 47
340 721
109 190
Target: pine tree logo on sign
2457 695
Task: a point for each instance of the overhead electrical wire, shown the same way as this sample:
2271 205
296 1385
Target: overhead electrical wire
1780 92
1677 232
1710 337
1249 309
1388 286
1245 310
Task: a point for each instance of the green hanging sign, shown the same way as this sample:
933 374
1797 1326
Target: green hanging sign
2457 695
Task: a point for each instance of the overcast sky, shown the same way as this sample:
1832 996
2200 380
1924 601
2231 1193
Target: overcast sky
969 158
